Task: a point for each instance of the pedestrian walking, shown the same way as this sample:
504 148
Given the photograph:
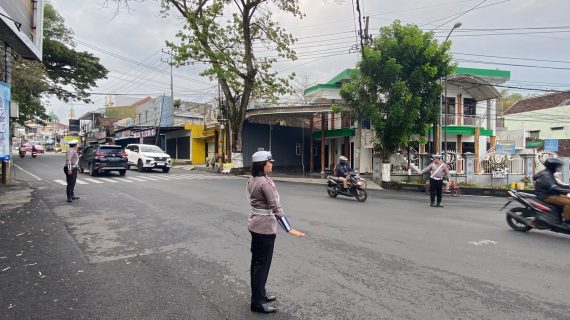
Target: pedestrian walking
264 215
438 170
70 169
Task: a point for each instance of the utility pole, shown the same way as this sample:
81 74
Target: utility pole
169 61
364 40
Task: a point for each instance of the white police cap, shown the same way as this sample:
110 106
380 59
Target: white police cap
262 156
72 142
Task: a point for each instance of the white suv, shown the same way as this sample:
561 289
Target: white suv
147 157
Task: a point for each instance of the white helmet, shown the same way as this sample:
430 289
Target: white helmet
342 158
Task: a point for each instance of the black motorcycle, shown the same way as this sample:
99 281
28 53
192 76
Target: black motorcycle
356 187
534 214
22 152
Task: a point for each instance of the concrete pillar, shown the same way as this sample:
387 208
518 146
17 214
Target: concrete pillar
477 153
528 160
469 166
565 173
437 139
459 168
424 160
377 168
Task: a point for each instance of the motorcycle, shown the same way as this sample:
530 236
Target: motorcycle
534 214
34 153
356 187
22 152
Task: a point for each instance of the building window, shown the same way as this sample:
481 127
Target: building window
450 105
556 128
534 134
468 147
469 107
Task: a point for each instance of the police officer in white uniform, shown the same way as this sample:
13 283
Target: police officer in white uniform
70 169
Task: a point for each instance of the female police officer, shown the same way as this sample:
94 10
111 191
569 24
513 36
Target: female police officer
265 213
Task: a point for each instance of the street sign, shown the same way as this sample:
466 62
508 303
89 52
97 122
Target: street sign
531 144
505 148
551 145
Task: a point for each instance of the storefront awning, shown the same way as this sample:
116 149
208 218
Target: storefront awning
476 86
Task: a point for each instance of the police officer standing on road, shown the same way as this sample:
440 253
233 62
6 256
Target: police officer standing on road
265 212
70 169
438 169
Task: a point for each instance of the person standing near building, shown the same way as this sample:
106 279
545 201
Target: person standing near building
70 169
438 170
265 213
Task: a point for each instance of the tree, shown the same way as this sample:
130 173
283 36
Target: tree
397 85
71 73
224 34
507 100
64 72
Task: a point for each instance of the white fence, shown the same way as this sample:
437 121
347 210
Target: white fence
514 166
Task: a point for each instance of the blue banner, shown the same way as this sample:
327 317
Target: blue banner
505 148
4 121
551 145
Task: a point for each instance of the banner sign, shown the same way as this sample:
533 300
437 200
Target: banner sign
4 121
551 145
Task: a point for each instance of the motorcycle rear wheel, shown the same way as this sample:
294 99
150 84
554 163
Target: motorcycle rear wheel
514 224
361 195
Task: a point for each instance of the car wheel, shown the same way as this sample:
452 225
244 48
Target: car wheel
165 170
92 171
122 172
140 167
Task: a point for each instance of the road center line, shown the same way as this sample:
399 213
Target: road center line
25 171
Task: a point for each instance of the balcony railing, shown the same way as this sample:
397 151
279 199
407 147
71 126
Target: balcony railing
462 120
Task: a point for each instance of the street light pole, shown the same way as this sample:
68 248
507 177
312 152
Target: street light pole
455 26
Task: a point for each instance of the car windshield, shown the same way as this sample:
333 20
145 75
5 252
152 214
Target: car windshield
151 149
110 150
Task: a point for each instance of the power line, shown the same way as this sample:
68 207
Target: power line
511 58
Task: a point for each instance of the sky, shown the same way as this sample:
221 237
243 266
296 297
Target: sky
529 38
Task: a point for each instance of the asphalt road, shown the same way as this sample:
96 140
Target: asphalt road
177 247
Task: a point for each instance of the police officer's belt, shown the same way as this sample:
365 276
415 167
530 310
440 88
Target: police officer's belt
262 212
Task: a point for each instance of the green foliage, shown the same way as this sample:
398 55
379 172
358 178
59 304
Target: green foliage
397 84
336 108
64 72
224 34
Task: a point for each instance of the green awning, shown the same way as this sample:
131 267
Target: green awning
336 133
464 130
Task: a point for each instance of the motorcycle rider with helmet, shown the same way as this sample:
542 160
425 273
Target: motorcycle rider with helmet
549 190
342 170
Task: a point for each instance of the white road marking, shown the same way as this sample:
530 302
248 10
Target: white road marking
81 182
108 180
136 179
482 242
63 183
148 178
29 173
92 180
125 179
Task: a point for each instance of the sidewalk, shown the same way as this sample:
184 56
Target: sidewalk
308 178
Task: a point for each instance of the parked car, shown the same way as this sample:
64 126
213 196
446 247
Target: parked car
147 157
103 158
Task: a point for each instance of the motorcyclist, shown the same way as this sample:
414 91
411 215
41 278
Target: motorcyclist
342 171
549 190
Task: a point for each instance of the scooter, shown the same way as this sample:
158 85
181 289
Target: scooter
22 152
534 214
34 154
356 187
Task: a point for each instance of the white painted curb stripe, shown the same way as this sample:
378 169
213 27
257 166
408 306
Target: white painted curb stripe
31 174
